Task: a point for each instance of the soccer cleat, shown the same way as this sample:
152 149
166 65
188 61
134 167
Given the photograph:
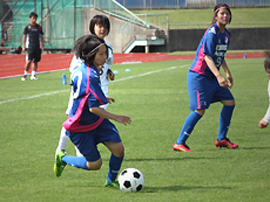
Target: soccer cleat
113 184
34 78
181 148
24 78
59 165
226 143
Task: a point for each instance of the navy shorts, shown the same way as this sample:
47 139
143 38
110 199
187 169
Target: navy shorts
34 55
86 142
204 91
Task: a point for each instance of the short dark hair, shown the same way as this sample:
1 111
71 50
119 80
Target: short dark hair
33 14
100 20
86 44
216 10
267 61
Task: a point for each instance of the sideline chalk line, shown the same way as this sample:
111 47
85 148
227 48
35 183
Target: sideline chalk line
118 80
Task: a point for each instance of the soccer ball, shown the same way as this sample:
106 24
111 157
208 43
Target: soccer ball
131 180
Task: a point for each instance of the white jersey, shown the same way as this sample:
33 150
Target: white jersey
267 115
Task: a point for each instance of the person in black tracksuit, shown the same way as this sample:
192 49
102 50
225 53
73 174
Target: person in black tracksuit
34 42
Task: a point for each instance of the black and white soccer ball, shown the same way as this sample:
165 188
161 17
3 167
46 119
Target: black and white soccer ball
131 180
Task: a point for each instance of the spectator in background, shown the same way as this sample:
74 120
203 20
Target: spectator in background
34 42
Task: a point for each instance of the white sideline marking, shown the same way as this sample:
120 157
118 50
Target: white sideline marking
123 79
148 73
34 96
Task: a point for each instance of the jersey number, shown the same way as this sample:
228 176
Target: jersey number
76 89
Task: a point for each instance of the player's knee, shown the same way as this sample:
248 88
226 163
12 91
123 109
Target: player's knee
119 152
200 111
94 165
228 102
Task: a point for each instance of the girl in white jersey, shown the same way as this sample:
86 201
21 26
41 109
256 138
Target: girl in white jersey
99 26
266 119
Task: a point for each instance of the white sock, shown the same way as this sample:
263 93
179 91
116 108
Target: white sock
33 73
62 141
25 73
78 153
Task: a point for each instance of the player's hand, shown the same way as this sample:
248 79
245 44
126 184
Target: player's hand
23 49
223 82
262 124
110 74
123 119
110 100
230 83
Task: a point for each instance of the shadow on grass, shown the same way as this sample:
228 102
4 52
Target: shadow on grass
179 188
253 148
167 159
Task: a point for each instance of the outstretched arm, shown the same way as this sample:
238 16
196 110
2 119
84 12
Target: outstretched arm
103 113
266 119
262 124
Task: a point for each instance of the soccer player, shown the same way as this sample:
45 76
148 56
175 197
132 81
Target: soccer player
205 83
34 42
266 119
99 26
88 123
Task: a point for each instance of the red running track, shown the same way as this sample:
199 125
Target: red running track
12 65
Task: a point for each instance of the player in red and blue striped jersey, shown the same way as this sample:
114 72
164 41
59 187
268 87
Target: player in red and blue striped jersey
205 83
88 123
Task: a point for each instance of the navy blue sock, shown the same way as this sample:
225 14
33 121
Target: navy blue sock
78 162
224 121
114 167
188 127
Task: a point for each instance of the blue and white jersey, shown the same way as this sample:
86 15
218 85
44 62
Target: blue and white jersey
87 94
214 44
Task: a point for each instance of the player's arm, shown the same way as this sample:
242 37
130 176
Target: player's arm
105 114
228 73
42 42
23 42
110 100
211 64
266 119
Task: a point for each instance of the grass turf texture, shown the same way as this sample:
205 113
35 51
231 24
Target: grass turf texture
197 16
157 102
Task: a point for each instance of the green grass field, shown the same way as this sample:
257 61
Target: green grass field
241 17
155 96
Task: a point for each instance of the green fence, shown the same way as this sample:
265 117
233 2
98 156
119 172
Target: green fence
60 21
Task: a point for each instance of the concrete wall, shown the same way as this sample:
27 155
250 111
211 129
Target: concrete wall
114 36
241 39
116 25
180 40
